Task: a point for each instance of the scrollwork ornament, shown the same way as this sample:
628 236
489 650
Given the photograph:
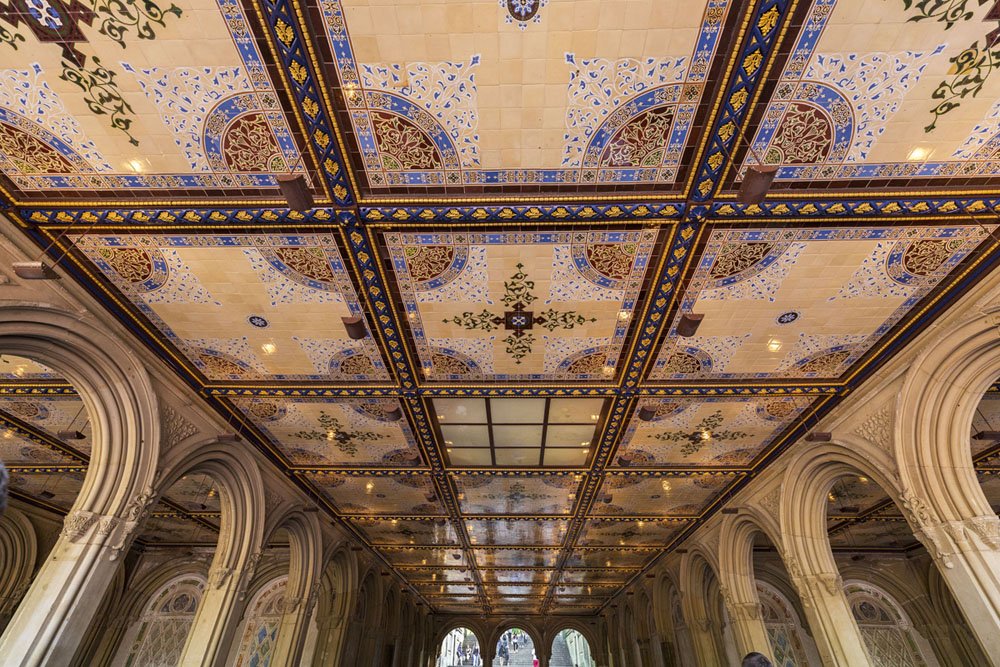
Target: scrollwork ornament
987 529
76 524
101 93
919 512
248 572
831 582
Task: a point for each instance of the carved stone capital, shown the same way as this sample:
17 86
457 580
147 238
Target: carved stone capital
745 611
77 524
218 576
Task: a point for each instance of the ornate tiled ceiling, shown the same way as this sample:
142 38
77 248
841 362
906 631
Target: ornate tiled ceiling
519 200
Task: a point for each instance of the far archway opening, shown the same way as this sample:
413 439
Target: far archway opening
571 649
515 648
460 647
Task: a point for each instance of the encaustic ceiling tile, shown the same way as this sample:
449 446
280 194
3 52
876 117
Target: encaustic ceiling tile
804 303
241 307
511 306
339 432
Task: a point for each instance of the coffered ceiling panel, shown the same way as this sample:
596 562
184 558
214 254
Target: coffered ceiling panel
423 532
57 489
361 494
51 414
335 431
513 306
900 95
432 575
424 556
597 576
516 557
516 576
516 495
517 532
706 431
461 97
666 495
614 532
262 307
122 103
804 303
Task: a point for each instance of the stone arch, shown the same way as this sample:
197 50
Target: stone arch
441 635
241 534
18 555
506 624
580 628
936 404
785 627
807 481
305 542
698 571
335 603
116 491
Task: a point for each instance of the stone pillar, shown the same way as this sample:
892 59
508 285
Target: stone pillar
749 631
218 615
703 636
293 629
53 617
834 629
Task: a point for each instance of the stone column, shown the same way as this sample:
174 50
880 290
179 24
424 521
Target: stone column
61 604
967 555
293 629
218 615
748 627
703 636
834 629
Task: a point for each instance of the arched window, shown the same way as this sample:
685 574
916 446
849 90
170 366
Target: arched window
888 634
570 649
460 647
783 627
164 625
263 617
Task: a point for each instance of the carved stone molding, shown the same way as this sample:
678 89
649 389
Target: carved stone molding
745 611
135 515
246 578
771 503
77 524
174 428
987 529
877 429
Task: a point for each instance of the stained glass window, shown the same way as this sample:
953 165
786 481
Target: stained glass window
784 629
165 623
887 632
263 618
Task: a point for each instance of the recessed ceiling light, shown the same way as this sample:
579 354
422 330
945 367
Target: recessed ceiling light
608 370
269 348
863 479
19 371
774 345
919 153
594 417
624 315
137 165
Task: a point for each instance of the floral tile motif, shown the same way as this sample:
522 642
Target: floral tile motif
151 117
609 558
515 557
385 495
57 489
424 557
401 532
927 108
809 303
706 431
673 496
509 495
51 414
255 289
538 305
624 534
335 431
515 532
458 115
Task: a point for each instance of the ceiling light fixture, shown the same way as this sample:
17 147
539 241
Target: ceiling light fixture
355 326
269 348
70 435
819 436
919 153
647 413
756 182
395 414
624 315
688 324
296 192
136 165
774 345
37 270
